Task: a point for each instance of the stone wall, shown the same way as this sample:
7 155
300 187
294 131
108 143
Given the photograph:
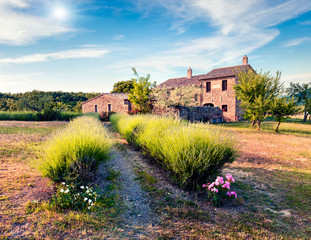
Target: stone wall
117 104
202 114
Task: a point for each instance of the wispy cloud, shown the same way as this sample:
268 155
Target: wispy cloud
20 27
67 54
302 78
296 41
118 37
241 28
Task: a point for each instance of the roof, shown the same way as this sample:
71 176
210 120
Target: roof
180 82
224 72
195 80
122 96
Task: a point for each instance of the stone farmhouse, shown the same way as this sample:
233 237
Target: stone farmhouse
216 88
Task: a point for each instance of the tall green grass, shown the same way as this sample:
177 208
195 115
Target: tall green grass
75 152
38 116
192 152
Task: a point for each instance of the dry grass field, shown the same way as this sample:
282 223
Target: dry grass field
273 173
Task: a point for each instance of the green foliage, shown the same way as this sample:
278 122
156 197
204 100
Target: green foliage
123 87
302 92
39 100
282 108
75 152
183 96
140 95
192 152
257 93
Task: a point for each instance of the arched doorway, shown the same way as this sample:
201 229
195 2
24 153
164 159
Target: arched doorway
208 105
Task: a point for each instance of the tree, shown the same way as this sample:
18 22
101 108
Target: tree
140 95
282 108
123 87
181 96
302 92
257 93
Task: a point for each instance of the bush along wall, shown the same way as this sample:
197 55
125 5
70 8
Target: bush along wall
74 153
193 153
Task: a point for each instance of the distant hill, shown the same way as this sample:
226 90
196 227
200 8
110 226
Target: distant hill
39 100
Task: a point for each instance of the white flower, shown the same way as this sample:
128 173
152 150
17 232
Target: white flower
82 187
85 199
67 191
63 183
87 191
62 190
90 200
87 187
89 207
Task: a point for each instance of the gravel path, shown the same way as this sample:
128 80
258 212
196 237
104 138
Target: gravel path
140 221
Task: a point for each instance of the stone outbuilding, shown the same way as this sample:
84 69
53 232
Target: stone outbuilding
108 102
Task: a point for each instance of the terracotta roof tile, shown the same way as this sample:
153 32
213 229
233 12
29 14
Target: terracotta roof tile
180 82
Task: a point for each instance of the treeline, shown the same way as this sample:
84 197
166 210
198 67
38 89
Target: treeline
39 101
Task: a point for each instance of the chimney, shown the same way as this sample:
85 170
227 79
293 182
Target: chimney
245 60
189 75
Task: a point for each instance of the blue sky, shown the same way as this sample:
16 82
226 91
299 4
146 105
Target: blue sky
88 45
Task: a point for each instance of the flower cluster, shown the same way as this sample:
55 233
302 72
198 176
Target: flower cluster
220 189
75 197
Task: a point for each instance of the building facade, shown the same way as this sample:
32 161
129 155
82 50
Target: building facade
108 102
216 88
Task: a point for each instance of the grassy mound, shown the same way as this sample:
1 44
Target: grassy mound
192 152
75 152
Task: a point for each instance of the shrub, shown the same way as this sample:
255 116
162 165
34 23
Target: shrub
192 152
105 116
75 152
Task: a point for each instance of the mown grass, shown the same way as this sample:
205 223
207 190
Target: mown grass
192 152
76 151
290 128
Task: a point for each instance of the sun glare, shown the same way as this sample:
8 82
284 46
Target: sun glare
60 13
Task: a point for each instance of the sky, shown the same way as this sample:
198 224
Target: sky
88 45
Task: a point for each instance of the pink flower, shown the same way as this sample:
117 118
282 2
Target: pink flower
232 193
229 178
229 193
220 180
204 185
226 185
215 190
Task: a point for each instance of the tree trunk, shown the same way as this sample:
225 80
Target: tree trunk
305 115
277 127
253 124
259 124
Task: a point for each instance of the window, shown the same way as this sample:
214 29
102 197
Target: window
196 97
224 108
208 86
224 85
214 120
95 108
219 120
109 107
168 93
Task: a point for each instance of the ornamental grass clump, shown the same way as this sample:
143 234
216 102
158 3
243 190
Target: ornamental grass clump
192 152
74 153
